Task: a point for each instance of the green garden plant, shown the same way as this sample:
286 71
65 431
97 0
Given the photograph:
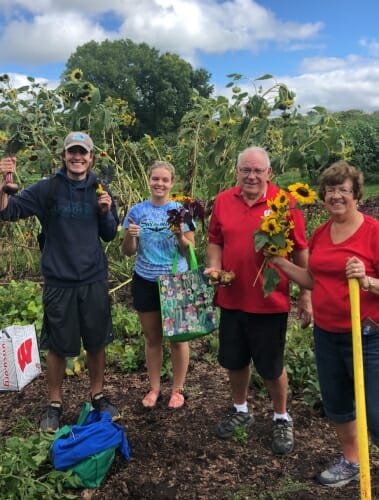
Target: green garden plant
301 365
21 304
280 491
26 471
241 435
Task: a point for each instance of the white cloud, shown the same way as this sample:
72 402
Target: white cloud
50 38
54 28
351 87
16 80
348 84
186 25
318 64
371 45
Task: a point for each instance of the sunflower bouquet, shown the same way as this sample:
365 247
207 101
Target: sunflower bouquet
274 234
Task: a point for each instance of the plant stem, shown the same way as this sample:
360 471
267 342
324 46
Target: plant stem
260 270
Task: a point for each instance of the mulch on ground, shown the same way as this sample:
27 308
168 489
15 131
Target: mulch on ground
176 455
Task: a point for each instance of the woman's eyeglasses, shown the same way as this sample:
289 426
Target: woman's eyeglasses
341 190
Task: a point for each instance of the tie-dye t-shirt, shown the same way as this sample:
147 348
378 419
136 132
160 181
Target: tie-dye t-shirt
157 244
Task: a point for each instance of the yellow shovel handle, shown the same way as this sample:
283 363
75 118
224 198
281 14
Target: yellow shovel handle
359 387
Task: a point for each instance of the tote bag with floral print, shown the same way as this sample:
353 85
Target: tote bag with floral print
187 303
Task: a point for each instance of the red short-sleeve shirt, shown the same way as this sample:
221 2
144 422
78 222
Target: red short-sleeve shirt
232 227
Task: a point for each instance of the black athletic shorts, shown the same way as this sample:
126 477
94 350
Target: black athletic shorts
145 294
249 336
72 315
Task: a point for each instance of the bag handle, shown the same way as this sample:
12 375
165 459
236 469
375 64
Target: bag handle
193 265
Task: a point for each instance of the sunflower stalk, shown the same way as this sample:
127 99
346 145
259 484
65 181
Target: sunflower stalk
260 270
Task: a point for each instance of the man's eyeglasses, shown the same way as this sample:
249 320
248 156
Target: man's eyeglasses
248 171
341 190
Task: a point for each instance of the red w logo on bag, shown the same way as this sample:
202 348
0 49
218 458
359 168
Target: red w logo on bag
24 354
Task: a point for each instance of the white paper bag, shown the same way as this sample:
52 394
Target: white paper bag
19 357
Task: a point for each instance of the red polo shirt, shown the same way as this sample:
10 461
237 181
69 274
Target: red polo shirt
232 226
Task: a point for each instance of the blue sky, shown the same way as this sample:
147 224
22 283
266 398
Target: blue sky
327 51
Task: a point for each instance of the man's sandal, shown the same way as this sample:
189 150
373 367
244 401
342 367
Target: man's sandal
177 400
151 399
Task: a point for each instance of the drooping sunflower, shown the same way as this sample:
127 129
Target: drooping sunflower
302 193
289 246
76 75
3 137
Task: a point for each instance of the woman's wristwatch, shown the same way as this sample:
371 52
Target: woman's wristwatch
371 282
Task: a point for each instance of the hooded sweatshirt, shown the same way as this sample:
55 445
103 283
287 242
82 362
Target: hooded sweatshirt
72 253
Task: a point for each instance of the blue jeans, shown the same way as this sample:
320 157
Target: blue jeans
334 357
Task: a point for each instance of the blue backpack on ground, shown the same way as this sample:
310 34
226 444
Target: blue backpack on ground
88 447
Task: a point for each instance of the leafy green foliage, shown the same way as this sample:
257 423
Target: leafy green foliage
212 343
363 131
301 365
126 324
127 350
26 471
270 279
315 215
21 304
240 435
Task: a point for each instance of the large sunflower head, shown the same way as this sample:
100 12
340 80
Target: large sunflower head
272 249
270 225
274 207
281 199
302 193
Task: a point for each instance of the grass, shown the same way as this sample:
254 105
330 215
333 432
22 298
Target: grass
371 190
284 487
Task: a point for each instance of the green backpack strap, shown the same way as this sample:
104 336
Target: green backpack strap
193 265
86 408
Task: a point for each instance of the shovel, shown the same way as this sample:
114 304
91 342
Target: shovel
359 388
